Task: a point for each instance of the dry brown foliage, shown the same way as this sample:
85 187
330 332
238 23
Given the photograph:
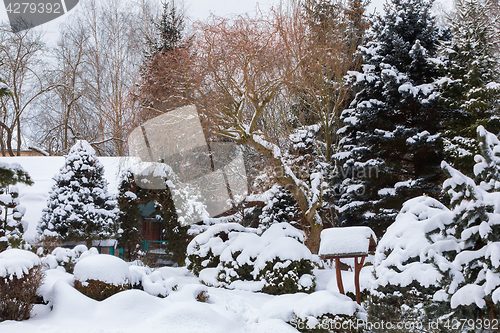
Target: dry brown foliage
18 295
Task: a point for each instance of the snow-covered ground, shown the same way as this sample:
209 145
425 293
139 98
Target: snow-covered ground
137 311
133 310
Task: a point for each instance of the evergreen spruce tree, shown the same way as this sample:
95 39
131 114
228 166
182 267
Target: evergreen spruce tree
79 207
4 89
404 279
130 237
130 198
391 147
466 248
169 31
11 213
470 90
281 207
166 83
174 231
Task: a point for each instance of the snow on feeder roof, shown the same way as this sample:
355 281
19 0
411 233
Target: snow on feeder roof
347 241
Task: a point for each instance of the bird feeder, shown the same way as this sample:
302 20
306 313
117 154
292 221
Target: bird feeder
347 242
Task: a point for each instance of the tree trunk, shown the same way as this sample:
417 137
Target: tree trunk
314 238
19 139
286 180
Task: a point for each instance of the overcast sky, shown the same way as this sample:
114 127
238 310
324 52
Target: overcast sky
201 9
196 9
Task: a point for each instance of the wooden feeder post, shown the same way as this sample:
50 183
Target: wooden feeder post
339 275
357 270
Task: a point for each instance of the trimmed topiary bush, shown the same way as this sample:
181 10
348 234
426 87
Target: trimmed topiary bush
98 290
20 278
285 266
287 277
327 311
101 276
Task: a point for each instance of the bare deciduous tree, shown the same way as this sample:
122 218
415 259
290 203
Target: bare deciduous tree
258 77
21 68
243 70
97 67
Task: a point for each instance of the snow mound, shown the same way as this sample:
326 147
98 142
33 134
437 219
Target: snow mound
102 267
17 262
322 302
136 274
159 283
283 229
280 307
284 248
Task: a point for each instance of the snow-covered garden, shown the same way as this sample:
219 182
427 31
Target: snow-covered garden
435 264
310 169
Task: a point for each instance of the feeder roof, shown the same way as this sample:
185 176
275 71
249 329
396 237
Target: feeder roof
347 241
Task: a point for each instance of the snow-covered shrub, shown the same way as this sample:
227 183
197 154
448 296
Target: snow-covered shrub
285 266
159 283
405 281
136 275
466 248
321 311
238 259
67 258
205 249
20 278
326 311
276 262
101 276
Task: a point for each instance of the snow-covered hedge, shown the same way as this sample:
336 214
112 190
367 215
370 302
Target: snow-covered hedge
20 279
276 262
205 249
100 276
